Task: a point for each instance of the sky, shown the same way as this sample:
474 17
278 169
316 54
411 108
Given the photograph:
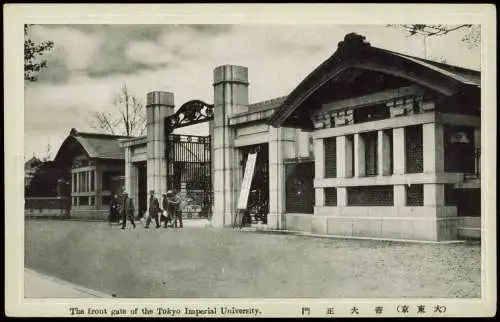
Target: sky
89 64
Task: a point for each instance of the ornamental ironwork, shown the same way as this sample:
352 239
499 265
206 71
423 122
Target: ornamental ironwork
190 113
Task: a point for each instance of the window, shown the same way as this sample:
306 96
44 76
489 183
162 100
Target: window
330 146
92 201
84 201
331 197
371 143
415 195
414 152
370 196
350 154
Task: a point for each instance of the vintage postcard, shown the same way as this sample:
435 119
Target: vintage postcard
257 160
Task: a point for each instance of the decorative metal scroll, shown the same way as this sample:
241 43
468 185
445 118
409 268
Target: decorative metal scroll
191 112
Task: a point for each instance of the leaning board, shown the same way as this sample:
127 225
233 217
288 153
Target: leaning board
247 181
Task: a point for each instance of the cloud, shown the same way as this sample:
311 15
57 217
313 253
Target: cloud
102 50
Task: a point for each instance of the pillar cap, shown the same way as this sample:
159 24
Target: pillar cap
160 98
231 73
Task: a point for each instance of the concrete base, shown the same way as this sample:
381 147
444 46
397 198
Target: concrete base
274 221
90 215
469 227
405 223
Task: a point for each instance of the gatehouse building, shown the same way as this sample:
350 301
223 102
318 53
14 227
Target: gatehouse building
372 143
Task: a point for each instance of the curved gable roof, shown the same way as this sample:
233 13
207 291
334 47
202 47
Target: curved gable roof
95 145
355 52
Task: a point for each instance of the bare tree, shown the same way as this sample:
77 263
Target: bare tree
32 65
472 36
128 118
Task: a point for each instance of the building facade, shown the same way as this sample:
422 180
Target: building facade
96 167
372 143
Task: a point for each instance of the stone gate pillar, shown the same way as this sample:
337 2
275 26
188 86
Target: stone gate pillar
158 106
230 97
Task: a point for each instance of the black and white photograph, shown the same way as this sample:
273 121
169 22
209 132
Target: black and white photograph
177 166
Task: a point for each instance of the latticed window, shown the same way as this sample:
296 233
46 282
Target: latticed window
370 196
330 146
331 197
370 139
415 195
414 149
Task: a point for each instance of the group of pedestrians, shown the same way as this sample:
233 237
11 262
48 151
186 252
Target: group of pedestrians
169 210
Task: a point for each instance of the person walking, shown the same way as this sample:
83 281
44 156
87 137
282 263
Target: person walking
127 210
154 209
114 210
164 206
174 207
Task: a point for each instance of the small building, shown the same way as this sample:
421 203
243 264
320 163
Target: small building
96 164
396 144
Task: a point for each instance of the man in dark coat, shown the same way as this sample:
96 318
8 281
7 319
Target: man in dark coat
164 205
114 210
174 207
154 210
128 210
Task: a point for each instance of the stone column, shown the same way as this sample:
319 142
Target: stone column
319 170
302 144
98 201
77 175
230 97
433 194
73 182
128 170
399 160
359 155
158 106
399 195
344 166
134 191
384 157
433 142
398 150
281 146
341 196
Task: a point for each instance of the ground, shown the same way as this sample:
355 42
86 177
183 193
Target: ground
208 262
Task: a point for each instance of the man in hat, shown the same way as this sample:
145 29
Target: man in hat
167 215
127 210
174 207
154 209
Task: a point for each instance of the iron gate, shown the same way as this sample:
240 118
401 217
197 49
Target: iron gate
189 165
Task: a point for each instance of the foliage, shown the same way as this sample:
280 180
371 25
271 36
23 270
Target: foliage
32 52
129 117
472 37
45 180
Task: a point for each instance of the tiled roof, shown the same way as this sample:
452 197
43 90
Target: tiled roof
267 104
101 146
354 51
463 75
